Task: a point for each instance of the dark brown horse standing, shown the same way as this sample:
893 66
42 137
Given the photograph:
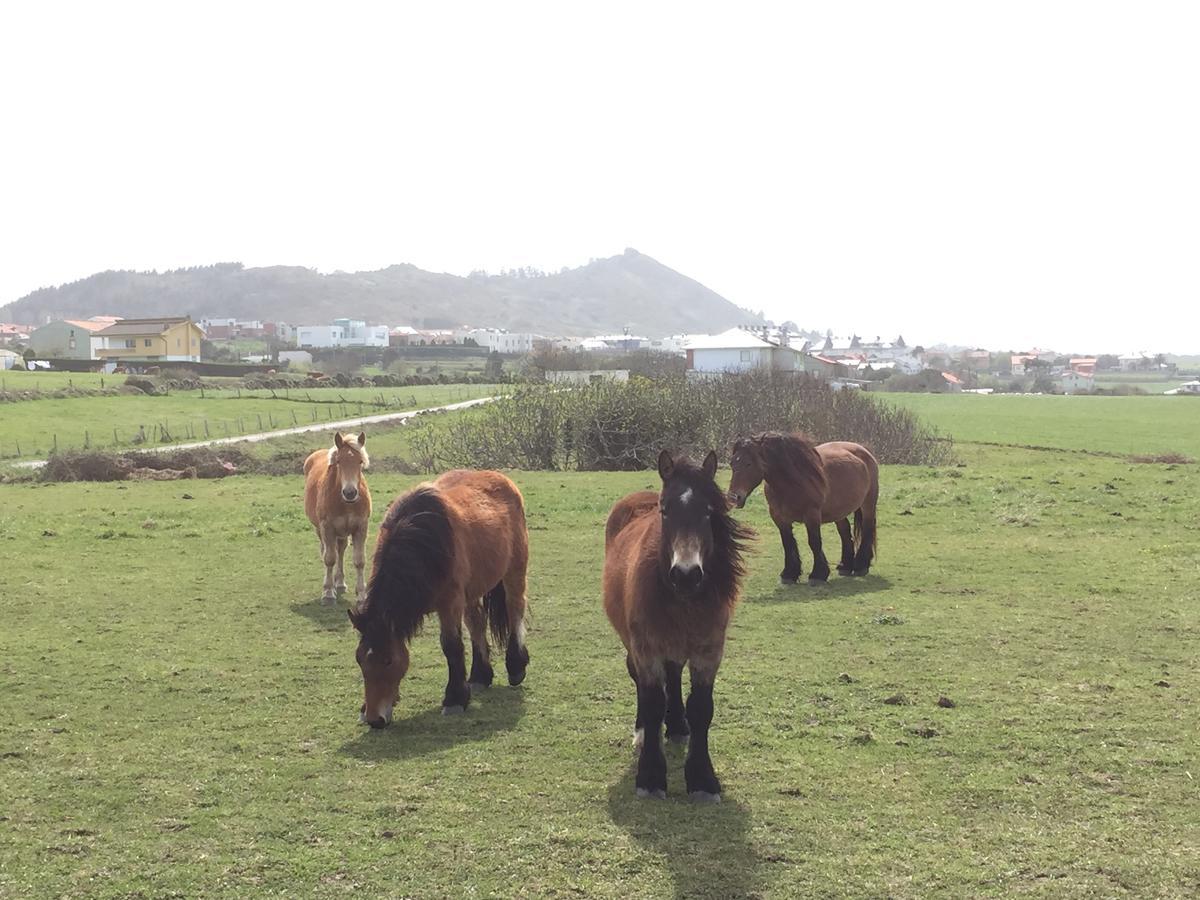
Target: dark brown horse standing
814 485
457 547
672 574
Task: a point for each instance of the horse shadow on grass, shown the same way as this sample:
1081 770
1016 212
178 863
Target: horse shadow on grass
706 847
326 618
496 710
837 586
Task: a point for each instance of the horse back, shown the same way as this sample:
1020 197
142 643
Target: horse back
488 516
626 510
852 473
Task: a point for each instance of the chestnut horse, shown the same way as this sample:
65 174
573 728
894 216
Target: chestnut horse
338 504
457 547
672 574
815 485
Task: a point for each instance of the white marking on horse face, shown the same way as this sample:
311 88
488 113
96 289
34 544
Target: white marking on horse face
686 497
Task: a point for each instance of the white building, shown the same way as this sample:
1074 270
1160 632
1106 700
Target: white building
496 341
1075 382
342 333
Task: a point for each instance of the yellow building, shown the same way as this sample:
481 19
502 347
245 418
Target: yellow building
171 339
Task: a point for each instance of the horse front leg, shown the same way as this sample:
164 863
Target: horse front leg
702 783
792 567
652 706
339 583
329 557
458 695
481 663
820 570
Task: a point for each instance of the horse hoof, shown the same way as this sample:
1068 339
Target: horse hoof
704 797
329 601
477 687
517 678
843 570
656 794
859 573
787 582
817 582
453 710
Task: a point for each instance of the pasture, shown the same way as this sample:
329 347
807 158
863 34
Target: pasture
35 427
179 715
1113 425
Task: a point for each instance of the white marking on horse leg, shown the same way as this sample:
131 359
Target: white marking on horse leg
519 633
639 738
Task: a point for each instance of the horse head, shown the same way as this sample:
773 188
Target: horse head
349 456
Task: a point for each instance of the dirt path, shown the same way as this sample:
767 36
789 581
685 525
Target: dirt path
340 425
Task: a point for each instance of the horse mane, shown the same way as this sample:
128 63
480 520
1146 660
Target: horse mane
793 459
731 539
411 564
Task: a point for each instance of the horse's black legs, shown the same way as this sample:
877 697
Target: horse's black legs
458 695
792 567
652 705
820 570
846 566
481 666
638 725
677 726
866 547
702 783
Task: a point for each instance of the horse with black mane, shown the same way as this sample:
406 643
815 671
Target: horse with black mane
672 574
813 484
457 547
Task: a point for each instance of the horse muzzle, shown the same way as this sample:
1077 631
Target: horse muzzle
350 496
686 578
738 500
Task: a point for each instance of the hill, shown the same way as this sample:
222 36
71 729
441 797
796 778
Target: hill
626 291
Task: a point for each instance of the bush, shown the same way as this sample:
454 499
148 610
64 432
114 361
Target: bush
610 426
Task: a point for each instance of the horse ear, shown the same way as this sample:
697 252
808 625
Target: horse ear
710 464
354 619
337 440
362 439
666 465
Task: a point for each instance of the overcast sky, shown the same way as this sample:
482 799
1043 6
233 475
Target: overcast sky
1004 174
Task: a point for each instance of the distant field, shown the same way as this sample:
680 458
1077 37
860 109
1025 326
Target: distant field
1108 424
37 426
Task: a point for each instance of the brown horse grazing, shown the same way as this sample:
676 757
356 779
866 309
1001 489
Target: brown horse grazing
672 573
457 547
814 485
338 504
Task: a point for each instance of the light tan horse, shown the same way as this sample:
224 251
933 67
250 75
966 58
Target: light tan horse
338 504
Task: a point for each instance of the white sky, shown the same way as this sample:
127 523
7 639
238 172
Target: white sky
1004 174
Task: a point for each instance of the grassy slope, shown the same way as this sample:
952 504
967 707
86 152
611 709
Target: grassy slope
34 424
181 719
1107 424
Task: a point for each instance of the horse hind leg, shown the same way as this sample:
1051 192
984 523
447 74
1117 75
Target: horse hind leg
516 655
676 720
481 666
864 526
846 566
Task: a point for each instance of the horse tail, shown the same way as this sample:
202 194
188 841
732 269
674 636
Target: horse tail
495 603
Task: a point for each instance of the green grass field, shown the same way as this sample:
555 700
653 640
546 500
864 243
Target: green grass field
35 427
179 716
1122 425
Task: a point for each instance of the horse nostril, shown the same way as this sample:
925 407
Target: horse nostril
350 495
381 722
